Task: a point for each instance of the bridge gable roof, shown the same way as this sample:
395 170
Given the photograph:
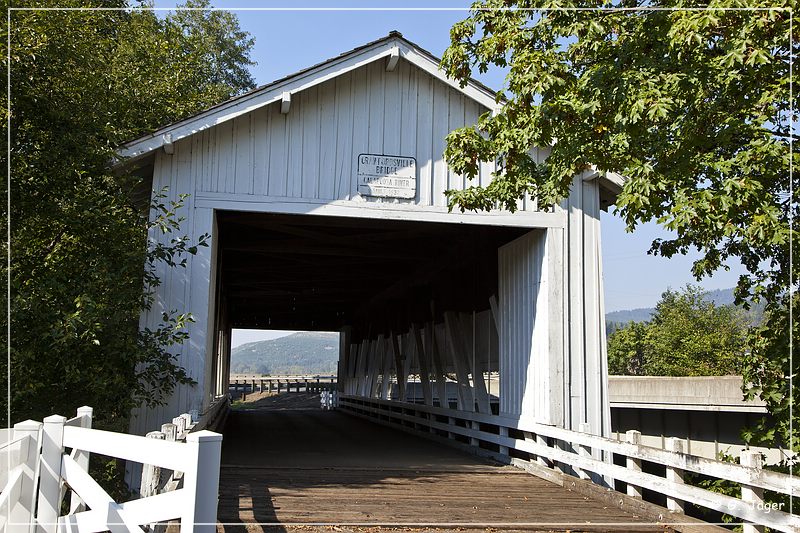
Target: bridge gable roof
392 47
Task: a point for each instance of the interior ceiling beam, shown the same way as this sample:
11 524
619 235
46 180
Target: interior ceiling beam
310 272
286 248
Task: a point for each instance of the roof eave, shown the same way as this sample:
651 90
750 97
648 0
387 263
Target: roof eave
298 82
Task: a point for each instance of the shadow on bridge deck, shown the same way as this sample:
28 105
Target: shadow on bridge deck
282 467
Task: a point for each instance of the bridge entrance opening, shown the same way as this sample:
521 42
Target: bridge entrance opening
376 281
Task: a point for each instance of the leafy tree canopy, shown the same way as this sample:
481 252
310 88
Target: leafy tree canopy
687 336
692 106
82 82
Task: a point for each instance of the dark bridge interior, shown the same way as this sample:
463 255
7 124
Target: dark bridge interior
322 273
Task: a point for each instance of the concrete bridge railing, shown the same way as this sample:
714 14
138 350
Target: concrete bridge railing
555 451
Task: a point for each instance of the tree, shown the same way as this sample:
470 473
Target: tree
692 106
83 82
687 336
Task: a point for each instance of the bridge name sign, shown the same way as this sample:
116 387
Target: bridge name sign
387 176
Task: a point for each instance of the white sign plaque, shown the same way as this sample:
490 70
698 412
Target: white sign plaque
387 176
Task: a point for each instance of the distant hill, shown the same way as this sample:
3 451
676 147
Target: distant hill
299 353
642 314
618 319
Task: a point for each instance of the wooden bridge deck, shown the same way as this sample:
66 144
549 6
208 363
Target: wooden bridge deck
293 469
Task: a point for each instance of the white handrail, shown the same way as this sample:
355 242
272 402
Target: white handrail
129 447
539 447
195 504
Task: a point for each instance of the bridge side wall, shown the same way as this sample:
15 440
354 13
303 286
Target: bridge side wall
301 161
585 365
305 158
552 317
551 347
183 289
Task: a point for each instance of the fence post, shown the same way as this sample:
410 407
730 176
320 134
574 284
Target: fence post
21 519
584 451
675 474
202 482
504 433
634 465
188 418
76 505
49 505
541 459
752 495
474 441
180 427
170 432
151 474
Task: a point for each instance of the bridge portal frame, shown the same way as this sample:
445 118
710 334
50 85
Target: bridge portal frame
290 148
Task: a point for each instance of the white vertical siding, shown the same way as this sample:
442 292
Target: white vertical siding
311 152
586 365
524 328
189 289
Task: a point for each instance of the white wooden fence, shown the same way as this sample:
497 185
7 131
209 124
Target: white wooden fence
33 452
584 455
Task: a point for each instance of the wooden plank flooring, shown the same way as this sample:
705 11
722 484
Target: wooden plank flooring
314 470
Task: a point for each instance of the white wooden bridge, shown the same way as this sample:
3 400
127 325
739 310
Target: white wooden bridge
324 198
45 472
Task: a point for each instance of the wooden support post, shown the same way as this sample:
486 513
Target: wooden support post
49 503
202 482
408 357
564 468
466 397
543 461
503 433
675 474
481 396
752 495
399 369
584 451
82 458
180 427
634 465
451 422
474 441
170 432
21 518
386 368
424 368
438 366
151 474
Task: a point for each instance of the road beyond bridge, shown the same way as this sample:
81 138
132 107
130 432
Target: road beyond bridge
291 463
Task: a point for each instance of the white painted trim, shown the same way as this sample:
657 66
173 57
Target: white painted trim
415 57
763 478
286 102
299 82
347 208
394 57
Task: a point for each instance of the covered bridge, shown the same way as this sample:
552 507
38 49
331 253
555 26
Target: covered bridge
323 195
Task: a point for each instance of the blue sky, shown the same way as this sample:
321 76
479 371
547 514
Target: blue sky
287 41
